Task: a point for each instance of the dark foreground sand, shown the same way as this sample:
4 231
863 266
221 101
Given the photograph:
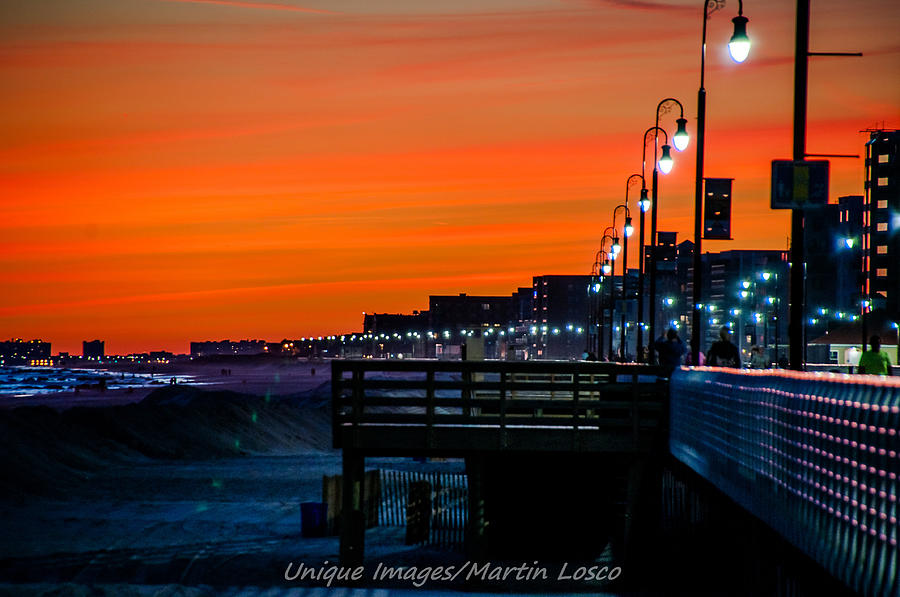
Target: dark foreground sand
183 491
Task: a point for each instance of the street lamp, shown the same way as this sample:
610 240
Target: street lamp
665 165
625 235
613 239
644 204
739 51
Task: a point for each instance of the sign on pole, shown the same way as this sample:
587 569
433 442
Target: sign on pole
799 184
717 209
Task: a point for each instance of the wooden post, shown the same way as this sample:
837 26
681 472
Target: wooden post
418 512
353 524
331 495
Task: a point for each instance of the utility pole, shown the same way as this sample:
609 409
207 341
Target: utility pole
796 327
798 259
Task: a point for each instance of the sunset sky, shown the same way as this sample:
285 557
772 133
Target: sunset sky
177 170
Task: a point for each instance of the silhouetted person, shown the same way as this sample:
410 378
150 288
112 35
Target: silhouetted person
758 358
723 353
874 361
669 350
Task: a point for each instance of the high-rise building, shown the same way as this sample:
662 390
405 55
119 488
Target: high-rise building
93 350
882 226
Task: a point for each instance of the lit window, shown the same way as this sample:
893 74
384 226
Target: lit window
882 227
884 158
881 272
882 204
882 181
882 249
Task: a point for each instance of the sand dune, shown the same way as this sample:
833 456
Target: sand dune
46 451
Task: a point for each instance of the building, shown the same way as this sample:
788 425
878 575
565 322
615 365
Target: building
393 323
465 312
835 276
842 345
560 316
227 347
882 226
745 290
161 356
25 352
93 350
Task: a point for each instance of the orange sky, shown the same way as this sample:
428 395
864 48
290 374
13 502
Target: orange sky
177 170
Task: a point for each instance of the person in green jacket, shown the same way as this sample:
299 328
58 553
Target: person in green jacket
873 361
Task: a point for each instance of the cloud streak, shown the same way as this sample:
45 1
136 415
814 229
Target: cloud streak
258 5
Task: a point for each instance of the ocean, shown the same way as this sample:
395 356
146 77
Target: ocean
21 382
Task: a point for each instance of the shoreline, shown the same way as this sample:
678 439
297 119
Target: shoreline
248 377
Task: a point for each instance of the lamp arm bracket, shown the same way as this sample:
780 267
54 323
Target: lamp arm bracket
713 5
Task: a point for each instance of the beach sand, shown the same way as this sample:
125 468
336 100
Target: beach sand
187 490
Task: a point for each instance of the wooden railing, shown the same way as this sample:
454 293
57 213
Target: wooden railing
456 406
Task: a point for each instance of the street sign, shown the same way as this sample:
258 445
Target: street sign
799 184
717 209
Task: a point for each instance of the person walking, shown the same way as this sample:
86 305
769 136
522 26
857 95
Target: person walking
723 353
874 361
758 358
669 350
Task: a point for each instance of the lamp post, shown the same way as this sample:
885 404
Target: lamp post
739 47
627 229
680 139
598 271
643 205
775 301
592 291
611 256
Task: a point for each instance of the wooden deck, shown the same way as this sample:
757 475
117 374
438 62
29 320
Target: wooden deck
456 408
482 410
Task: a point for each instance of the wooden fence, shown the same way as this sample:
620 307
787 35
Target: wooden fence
447 508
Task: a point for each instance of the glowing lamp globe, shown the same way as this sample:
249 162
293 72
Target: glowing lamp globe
681 138
665 162
644 202
739 46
